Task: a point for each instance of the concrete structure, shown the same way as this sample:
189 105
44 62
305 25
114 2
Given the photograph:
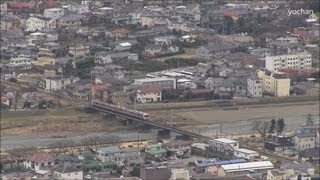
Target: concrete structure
302 60
114 153
213 51
223 144
254 86
179 174
244 168
148 94
275 84
53 13
164 83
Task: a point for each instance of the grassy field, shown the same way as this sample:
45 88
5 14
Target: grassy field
61 122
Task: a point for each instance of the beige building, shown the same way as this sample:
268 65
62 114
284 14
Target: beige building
78 51
306 139
301 60
276 174
275 84
179 174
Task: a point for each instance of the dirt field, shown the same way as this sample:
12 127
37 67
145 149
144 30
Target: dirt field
60 122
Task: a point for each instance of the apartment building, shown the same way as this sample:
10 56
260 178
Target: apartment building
163 82
149 94
275 84
254 86
53 13
306 139
301 60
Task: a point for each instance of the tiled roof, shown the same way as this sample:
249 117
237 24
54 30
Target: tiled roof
41 157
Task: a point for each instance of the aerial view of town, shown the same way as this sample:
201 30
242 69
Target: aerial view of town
160 90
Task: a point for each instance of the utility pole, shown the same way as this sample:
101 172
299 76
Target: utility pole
220 130
171 117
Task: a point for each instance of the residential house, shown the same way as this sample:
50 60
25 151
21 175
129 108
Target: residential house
10 22
275 84
51 70
279 174
43 60
80 90
100 91
155 151
120 33
120 97
244 168
52 49
163 82
279 143
78 51
20 61
53 13
300 168
306 139
152 49
39 23
78 8
147 94
71 20
254 86
153 19
179 149
114 153
232 87
39 161
68 173
213 51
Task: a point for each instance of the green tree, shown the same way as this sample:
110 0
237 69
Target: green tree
272 126
280 126
310 121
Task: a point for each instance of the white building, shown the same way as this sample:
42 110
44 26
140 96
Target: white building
163 82
39 23
302 60
254 86
245 153
20 61
79 51
306 139
244 168
55 84
148 94
222 144
180 174
53 13
79 8
68 173
3 8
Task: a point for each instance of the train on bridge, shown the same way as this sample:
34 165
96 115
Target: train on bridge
123 110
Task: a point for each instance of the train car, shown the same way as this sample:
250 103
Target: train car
130 112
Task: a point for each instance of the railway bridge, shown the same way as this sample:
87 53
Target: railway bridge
127 114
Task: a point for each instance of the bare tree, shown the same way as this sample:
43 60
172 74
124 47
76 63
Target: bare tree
261 127
20 154
63 146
